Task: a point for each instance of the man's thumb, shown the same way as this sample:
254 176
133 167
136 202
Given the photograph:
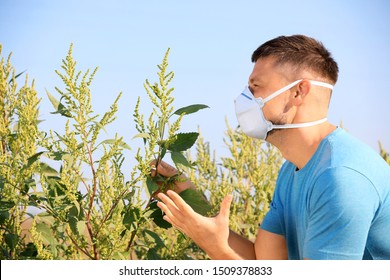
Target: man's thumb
225 205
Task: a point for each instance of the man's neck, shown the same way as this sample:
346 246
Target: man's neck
298 145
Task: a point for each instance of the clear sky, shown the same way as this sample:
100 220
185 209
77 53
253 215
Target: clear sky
211 43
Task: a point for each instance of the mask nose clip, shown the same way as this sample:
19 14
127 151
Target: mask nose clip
260 101
269 126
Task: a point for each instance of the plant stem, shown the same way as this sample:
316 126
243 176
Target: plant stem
79 248
92 198
116 201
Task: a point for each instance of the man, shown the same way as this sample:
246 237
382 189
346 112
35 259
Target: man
332 196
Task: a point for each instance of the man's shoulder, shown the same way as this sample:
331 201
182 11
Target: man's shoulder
344 150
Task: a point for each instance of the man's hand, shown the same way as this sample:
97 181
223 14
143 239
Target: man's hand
167 170
210 234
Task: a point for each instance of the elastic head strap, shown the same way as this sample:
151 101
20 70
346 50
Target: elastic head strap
280 91
283 89
322 84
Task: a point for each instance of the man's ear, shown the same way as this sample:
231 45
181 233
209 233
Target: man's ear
301 91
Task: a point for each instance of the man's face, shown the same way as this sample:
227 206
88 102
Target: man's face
264 80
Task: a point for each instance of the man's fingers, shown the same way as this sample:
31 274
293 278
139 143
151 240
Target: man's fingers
166 218
179 202
162 168
168 215
163 207
165 169
169 207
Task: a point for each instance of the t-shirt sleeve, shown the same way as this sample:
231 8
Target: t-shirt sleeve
342 207
273 220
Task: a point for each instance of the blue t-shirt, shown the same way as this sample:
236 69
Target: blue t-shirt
337 206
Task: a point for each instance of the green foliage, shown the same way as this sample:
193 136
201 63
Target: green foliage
384 154
19 135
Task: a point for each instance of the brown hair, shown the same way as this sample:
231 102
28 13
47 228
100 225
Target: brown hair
300 52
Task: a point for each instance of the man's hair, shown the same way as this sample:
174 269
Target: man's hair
300 52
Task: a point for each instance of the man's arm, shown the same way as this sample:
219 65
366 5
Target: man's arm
268 246
242 246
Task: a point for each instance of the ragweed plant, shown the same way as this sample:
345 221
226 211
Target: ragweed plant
87 196
19 137
384 154
161 136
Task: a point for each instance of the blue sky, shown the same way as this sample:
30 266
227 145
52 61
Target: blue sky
211 43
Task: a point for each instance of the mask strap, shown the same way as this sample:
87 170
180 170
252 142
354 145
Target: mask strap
280 91
321 84
283 89
298 125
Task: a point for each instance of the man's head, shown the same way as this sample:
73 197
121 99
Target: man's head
299 53
289 87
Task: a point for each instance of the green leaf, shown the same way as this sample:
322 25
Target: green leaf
98 124
46 233
45 218
2 183
56 189
73 225
4 216
160 125
129 196
6 205
157 216
11 240
153 237
196 200
113 141
81 226
179 159
56 155
31 160
142 135
30 251
75 211
75 215
35 198
53 100
190 109
130 217
47 170
58 106
151 185
18 75
63 139
28 183
183 141
163 152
